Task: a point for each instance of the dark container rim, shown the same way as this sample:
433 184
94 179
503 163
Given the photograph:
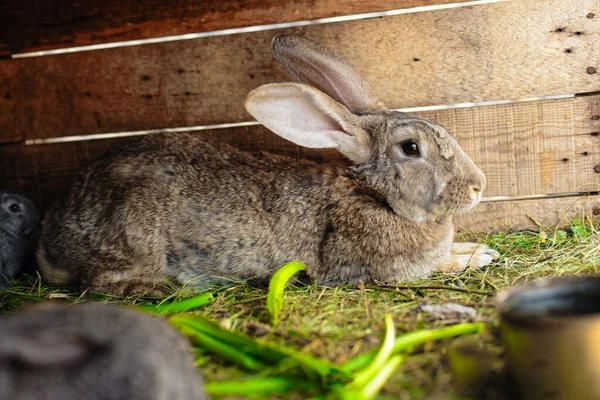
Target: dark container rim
553 302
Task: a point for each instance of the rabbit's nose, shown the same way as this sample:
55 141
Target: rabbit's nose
478 183
475 193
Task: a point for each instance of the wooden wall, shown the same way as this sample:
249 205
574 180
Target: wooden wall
508 50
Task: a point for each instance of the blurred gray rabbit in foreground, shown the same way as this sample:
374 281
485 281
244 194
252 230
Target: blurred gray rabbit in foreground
180 207
19 226
94 352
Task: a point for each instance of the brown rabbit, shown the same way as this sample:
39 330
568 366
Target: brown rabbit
94 352
179 207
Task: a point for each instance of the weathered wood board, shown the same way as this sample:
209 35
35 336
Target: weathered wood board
495 51
9 112
550 146
527 214
30 25
539 147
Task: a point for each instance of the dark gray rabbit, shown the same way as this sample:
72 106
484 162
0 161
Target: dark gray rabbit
19 226
94 352
181 208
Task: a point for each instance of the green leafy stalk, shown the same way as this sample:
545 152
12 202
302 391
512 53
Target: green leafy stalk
224 351
413 339
311 365
261 387
362 378
178 306
276 286
240 342
374 386
196 327
370 380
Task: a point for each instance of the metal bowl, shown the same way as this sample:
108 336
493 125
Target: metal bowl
551 331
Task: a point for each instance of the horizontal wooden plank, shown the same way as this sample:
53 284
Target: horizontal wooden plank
526 215
550 146
9 112
541 147
495 51
33 25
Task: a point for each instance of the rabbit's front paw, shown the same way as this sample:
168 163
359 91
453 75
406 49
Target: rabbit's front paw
469 256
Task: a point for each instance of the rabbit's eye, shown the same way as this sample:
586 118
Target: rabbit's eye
14 208
411 149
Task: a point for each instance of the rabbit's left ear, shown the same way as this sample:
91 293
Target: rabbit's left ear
309 118
318 66
48 349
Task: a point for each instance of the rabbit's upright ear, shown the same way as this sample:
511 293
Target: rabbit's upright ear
321 68
48 349
309 118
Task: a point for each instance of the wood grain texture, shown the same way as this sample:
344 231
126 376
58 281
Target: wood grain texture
541 147
33 25
526 214
504 50
528 148
9 112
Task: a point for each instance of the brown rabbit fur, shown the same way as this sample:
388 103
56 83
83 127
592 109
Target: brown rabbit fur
180 207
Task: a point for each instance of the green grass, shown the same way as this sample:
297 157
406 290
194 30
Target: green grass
337 324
